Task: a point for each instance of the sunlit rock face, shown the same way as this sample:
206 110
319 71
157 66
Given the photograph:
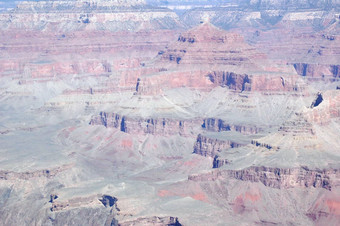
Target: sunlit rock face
121 112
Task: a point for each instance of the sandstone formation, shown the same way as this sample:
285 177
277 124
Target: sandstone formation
219 125
196 58
279 178
157 126
147 112
206 146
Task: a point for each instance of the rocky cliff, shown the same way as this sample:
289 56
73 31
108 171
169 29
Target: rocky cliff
318 71
207 146
277 177
156 126
195 60
103 101
219 125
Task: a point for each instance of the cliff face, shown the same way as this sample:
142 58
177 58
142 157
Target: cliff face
188 102
157 126
325 108
196 58
278 178
318 71
231 80
219 47
206 146
219 125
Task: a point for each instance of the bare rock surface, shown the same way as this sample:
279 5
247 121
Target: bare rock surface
119 112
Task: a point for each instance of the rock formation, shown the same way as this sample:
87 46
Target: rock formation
278 178
204 50
157 221
74 15
206 146
117 112
157 126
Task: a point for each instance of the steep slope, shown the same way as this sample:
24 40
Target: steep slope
206 57
162 127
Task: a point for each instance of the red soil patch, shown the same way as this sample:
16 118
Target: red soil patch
238 206
193 162
333 206
239 203
127 143
252 197
200 197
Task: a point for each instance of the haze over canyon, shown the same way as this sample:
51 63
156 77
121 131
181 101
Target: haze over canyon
149 112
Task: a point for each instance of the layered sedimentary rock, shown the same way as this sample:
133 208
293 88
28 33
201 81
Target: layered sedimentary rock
254 82
157 221
206 45
135 125
277 177
187 103
196 58
219 125
84 15
317 70
325 108
280 29
72 203
207 146
48 173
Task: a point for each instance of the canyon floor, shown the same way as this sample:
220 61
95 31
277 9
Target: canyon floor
126 113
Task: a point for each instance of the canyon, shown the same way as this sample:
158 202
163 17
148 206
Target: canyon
147 112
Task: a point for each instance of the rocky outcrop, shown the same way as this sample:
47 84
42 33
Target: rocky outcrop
286 178
72 203
231 80
317 71
278 177
219 47
324 109
297 125
207 146
218 162
156 126
156 221
219 125
47 173
317 100
264 145
156 84
107 200
206 56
